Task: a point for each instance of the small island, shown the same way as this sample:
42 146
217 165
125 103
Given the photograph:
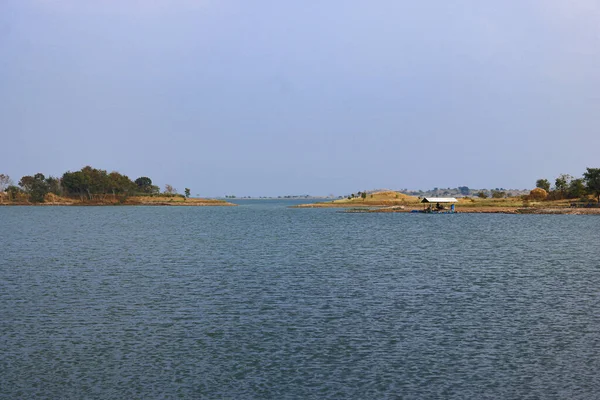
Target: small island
569 195
94 187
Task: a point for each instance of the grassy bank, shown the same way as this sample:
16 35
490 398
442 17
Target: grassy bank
379 199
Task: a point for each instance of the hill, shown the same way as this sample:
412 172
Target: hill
375 199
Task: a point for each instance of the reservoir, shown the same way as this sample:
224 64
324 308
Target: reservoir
265 301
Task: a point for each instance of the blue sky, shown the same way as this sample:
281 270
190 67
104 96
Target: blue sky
292 97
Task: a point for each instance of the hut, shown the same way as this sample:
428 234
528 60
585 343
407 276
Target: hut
440 204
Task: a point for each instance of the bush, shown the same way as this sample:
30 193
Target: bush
16 193
538 194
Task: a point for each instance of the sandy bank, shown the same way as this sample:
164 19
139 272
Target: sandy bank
109 200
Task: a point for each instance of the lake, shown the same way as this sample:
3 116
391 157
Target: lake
266 301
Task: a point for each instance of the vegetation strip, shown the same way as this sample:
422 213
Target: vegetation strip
91 186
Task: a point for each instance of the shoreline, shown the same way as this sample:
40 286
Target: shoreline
113 205
540 210
127 202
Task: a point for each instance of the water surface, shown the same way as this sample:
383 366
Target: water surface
264 301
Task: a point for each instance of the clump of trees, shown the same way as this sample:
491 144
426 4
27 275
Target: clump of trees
464 190
88 184
482 194
37 186
359 194
569 187
498 194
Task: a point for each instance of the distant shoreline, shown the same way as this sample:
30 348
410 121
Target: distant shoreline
395 202
461 210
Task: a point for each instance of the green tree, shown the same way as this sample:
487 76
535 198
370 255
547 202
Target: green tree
562 183
97 179
576 189
498 194
144 184
26 183
54 185
363 195
543 184
75 183
482 194
592 181
187 192
121 184
35 186
464 190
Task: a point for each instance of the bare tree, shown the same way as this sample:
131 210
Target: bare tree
5 182
170 189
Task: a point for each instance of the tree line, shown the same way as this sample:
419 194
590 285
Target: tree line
88 183
568 187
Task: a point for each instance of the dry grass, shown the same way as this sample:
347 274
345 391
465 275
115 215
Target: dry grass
378 199
388 197
386 201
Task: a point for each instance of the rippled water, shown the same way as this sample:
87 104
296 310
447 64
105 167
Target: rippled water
264 301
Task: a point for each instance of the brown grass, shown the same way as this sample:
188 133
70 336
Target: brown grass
377 199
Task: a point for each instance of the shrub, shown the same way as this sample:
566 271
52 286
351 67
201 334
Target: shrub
538 194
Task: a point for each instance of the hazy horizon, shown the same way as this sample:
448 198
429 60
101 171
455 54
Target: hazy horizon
271 98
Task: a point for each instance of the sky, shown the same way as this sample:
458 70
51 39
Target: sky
267 98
